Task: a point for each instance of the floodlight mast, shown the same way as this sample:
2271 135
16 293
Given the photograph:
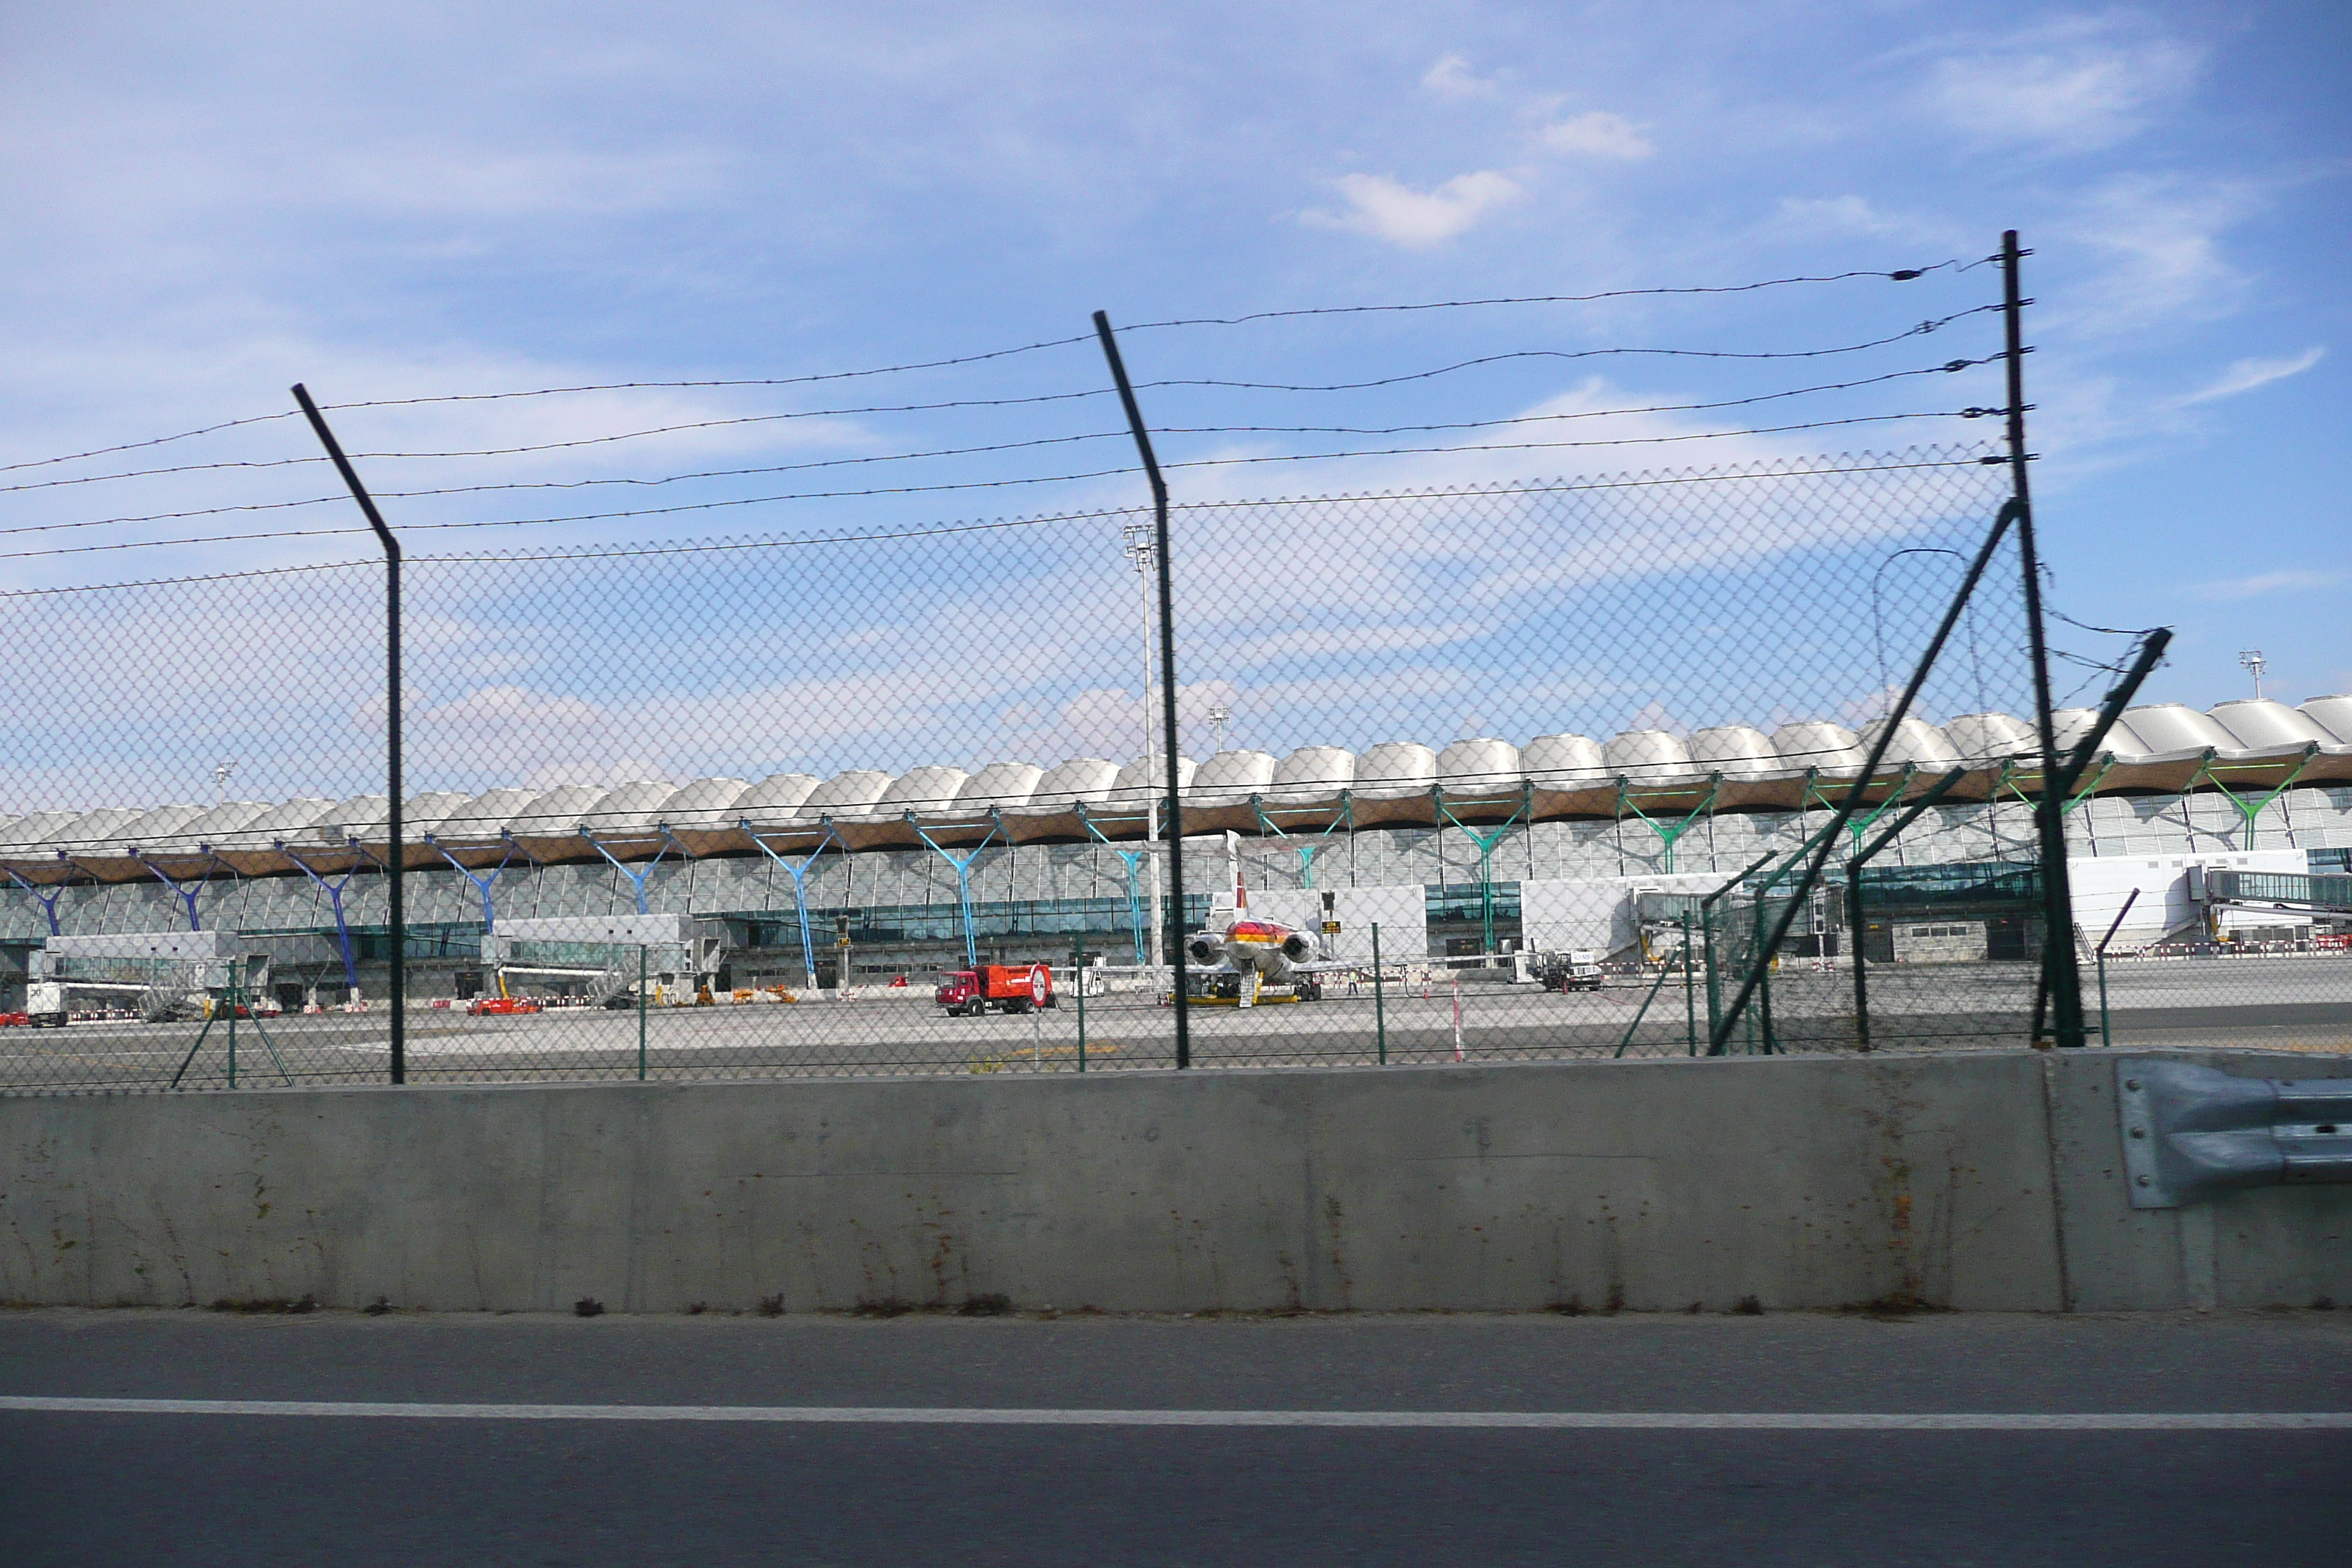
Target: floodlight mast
1138 548
395 827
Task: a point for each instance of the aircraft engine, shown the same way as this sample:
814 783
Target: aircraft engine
1296 948
1202 949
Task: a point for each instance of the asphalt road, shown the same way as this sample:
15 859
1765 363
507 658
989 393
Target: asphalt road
2299 1002
172 1489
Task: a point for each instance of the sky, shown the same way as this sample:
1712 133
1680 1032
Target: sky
199 206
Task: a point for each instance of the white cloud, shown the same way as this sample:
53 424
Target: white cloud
1388 209
1808 217
2162 236
2245 375
2084 94
1452 76
2270 582
1597 134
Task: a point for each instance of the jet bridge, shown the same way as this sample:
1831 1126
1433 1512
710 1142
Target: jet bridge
603 956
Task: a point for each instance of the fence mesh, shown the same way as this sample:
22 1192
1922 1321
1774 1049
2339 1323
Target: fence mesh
889 802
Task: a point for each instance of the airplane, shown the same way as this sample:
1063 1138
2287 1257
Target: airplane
1257 952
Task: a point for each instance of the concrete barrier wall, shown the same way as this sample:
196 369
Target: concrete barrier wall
1983 1180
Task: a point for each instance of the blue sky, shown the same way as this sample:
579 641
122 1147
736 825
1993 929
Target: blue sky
201 206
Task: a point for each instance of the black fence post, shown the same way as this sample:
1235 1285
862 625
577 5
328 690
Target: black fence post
1175 819
396 827
2061 981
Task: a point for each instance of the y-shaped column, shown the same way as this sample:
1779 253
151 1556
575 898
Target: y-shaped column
1486 843
48 901
187 895
799 874
962 864
334 891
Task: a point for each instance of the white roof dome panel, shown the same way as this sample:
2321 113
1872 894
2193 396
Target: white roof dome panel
2259 724
1735 750
1564 761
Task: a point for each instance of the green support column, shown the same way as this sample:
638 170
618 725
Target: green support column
1668 836
1487 844
2250 813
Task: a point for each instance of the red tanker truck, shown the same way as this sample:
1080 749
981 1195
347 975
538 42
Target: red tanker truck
1007 987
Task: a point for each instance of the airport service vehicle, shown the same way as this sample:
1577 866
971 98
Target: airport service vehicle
498 1007
1008 987
1578 971
14 1020
44 1004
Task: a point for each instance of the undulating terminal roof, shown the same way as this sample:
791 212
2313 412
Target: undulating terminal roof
2164 747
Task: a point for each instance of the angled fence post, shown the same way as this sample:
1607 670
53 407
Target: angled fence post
395 827
1175 819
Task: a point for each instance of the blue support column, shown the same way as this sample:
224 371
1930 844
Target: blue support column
334 891
637 878
48 901
799 874
482 885
186 896
963 864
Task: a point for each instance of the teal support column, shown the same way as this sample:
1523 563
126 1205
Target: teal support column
1133 860
962 864
1487 844
798 871
1308 850
1668 836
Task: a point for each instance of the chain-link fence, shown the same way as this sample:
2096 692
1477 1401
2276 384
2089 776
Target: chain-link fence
1467 772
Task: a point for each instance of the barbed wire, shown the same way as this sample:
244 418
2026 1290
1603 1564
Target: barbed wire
1903 274
1946 367
1900 275
1761 469
879 491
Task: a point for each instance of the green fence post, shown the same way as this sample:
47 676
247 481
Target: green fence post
1690 996
641 1012
1380 997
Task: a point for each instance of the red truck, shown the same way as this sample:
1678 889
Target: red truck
1008 987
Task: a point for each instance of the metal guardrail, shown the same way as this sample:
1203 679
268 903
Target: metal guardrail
2190 1134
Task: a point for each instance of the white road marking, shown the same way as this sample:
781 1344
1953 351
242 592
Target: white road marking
1539 1420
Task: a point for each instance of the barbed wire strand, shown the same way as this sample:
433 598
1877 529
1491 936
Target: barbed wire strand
1946 367
1963 458
928 490
1899 273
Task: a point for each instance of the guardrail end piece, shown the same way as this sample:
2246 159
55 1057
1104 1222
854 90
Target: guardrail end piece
2192 1133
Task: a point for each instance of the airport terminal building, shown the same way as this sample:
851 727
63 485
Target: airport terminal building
1482 847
